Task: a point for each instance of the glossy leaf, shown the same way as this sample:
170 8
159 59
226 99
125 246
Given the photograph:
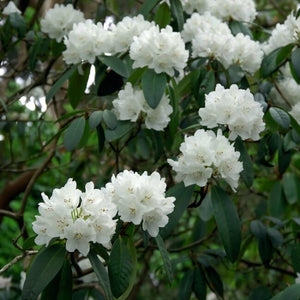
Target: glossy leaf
121 129
165 257
291 187
281 117
261 293
295 63
77 85
228 222
147 6
110 119
291 292
214 281
58 84
101 137
199 284
43 269
295 257
120 267
238 27
163 15
101 273
74 133
205 209
177 13
95 118
116 64
154 86
276 200
185 285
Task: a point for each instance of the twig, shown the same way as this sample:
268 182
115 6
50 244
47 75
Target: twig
16 259
8 213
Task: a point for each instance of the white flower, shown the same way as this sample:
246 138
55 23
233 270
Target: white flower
205 155
295 112
85 42
235 108
124 31
191 5
131 104
163 51
141 198
240 10
297 280
59 21
11 8
283 34
205 23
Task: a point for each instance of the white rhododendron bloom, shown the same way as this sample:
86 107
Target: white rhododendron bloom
78 217
205 155
131 104
141 199
10 8
240 10
235 108
295 112
205 23
284 34
86 41
59 20
124 31
189 6
162 50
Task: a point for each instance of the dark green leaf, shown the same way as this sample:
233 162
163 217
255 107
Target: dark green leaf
260 293
101 273
110 119
248 173
291 186
101 137
115 64
206 209
275 237
163 15
235 73
281 117
269 63
214 281
120 267
183 196
121 129
147 6
65 285
74 133
276 200
295 257
228 222
165 257
77 85
43 269
284 159
265 249
238 27
136 75
29 243
258 229
185 285
199 284
57 85
95 118
291 292
177 13
154 86
17 22
295 63
284 53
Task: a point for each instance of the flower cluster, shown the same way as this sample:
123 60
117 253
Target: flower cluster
211 37
189 6
162 50
131 104
284 34
205 155
235 108
78 217
141 198
86 41
58 21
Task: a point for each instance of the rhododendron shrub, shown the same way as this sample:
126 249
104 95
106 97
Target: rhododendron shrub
150 149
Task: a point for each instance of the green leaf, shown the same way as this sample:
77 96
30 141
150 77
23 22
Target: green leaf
291 292
43 269
275 237
260 293
121 129
120 267
284 159
248 173
227 221
163 15
258 229
183 196
271 62
206 209
154 86
57 85
147 6
17 22
29 243
238 27
3 104
235 73
116 64
77 85
74 133
177 13
277 204
295 257
101 274
281 117
291 187
214 280
95 119
101 137
199 284
185 285
136 75
165 257
295 63
110 119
